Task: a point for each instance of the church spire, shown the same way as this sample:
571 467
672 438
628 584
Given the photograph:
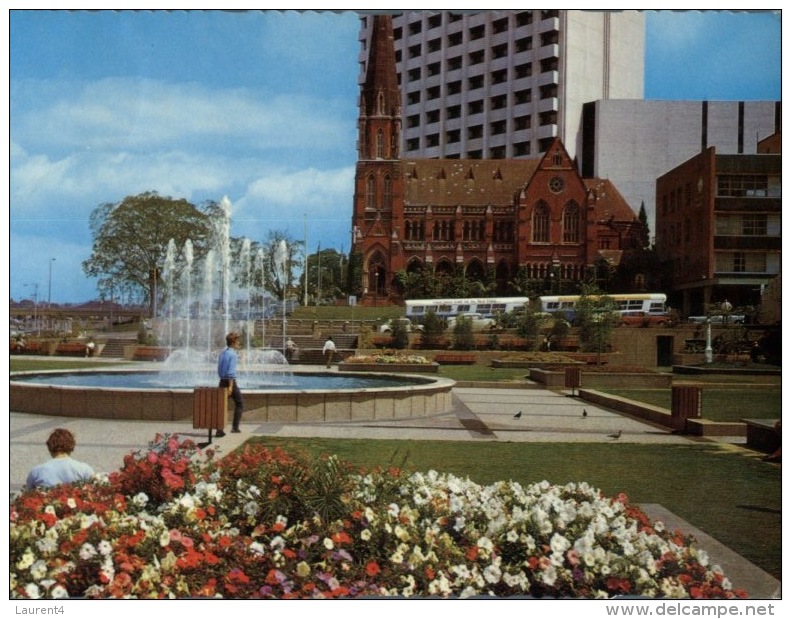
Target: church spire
380 97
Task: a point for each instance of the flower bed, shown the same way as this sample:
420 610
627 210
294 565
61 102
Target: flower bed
178 522
388 362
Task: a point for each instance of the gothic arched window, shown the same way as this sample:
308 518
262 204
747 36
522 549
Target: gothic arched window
380 144
370 193
571 223
541 223
388 193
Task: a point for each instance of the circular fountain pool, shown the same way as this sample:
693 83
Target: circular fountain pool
278 397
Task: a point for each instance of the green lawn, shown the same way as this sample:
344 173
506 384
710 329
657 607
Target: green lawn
732 404
732 496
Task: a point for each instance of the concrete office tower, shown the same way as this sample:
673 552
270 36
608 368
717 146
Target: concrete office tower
504 84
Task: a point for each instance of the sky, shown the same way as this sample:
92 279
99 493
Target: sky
258 106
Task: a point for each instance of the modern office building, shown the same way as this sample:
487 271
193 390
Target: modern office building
633 143
490 220
718 227
503 84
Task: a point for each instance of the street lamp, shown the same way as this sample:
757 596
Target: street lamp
49 289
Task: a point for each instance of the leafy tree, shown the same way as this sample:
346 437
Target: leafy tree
433 328
281 282
644 232
596 315
325 274
400 334
529 326
130 240
463 337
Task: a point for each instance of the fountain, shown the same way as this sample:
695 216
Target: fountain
193 325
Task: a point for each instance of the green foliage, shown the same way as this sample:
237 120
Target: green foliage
596 316
529 326
463 337
400 334
130 240
433 328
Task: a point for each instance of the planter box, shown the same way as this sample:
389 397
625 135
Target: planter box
455 358
403 368
593 380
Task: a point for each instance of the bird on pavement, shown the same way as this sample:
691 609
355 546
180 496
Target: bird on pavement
584 413
518 415
615 434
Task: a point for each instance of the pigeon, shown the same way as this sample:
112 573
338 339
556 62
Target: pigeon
584 413
518 415
615 434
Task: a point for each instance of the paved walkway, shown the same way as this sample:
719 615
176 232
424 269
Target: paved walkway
479 414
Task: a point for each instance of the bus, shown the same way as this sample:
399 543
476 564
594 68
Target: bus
488 307
651 303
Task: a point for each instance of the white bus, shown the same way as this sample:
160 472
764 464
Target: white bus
488 307
652 303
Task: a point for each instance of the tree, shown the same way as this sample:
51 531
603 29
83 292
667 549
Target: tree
644 232
130 240
433 328
463 337
400 335
325 274
281 282
596 315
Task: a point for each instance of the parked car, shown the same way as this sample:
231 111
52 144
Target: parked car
479 322
410 326
643 319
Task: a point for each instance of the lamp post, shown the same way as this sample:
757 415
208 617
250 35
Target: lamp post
708 352
49 289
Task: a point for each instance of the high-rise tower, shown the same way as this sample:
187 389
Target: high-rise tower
504 84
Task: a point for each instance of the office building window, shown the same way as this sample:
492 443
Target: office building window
432 116
413 97
454 39
498 127
435 68
500 76
475 82
522 96
737 186
548 118
475 154
413 121
454 64
499 102
549 14
754 225
435 21
525 44
549 64
454 111
549 91
497 152
413 144
501 25
477 33
454 88
432 93
550 38
415 27
414 51
475 132
453 136
524 18
475 107
414 74
522 122
432 140
477 57
521 149
434 45
500 51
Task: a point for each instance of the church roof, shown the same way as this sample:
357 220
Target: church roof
450 182
610 204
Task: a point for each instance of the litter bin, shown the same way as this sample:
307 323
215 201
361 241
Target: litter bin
573 379
210 409
685 404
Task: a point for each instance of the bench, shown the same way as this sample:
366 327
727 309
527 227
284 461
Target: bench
151 353
447 358
72 349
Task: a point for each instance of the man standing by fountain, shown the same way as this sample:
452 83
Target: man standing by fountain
329 350
226 368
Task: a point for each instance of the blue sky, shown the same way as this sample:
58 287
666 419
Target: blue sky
260 106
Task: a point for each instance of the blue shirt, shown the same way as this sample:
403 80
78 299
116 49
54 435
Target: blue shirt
58 471
226 364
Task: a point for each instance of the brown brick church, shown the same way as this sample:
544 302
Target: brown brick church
483 217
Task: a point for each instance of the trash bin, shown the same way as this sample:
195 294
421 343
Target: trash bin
210 408
685 404
573 379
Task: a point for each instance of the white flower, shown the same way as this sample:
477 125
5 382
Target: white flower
87 551
278 543
492 573
58 592
105 547
32 591
71 502
365 534
38 570
164 538
558 543
393 510
328 543
140 499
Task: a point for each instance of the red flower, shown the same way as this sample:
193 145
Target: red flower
372 568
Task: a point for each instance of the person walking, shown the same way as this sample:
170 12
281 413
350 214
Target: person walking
226 368
62 468
291 350
329 350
